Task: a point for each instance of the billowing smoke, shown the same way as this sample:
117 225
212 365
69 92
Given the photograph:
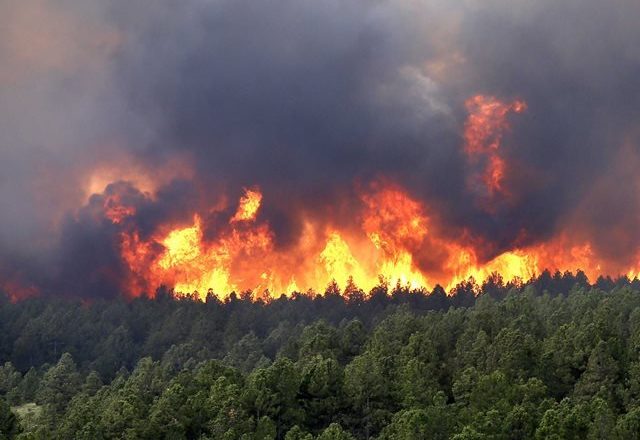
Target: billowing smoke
126 118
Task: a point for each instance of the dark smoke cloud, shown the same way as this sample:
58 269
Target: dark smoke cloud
305 99
573 63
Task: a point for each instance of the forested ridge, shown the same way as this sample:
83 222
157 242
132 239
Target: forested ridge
553 358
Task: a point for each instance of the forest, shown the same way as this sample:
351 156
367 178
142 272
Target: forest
556 357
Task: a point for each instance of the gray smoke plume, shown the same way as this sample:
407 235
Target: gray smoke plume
308 100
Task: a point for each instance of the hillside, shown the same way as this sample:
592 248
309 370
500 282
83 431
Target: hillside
533 360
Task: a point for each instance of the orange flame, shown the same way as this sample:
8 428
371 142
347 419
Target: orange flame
248 206
396 240
392 237
483 132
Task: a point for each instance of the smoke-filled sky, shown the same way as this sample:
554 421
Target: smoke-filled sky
182 104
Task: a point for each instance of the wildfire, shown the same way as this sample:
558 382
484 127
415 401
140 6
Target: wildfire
483 132
393 236
182 245
249 206
396 240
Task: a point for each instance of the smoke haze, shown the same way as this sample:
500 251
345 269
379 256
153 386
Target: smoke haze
173 108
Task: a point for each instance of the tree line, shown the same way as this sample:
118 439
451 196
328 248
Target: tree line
555 357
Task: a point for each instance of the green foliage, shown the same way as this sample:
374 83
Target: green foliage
9 426
59 384
419 424
265 429
10 380
273 392
296 433
512 363
335 432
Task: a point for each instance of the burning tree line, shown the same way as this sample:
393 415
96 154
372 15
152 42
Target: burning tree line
142 228
556 356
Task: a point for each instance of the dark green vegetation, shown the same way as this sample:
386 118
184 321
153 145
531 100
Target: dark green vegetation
556 358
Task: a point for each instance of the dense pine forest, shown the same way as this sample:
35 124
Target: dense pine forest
553 358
